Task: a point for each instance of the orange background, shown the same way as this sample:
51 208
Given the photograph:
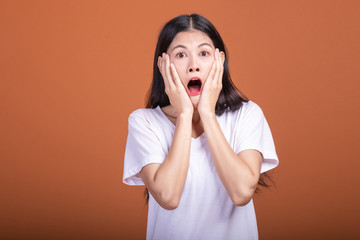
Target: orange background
72 71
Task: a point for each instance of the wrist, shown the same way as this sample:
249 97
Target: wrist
186 115
207 115
186 112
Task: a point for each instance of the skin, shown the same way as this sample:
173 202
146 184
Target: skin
192 54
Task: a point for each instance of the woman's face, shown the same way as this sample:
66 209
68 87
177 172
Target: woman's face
192 53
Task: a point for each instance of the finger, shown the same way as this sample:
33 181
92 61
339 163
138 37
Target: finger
212 71
217 76
167 71
162 70
175 75
219 68
222 61
211 76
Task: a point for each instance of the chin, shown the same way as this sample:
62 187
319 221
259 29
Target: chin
195 100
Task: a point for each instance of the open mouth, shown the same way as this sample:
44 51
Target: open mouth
194 86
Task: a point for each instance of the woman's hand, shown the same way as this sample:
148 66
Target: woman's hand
212 86
174 88
166 181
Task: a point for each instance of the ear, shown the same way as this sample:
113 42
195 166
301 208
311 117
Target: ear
159 62
222 56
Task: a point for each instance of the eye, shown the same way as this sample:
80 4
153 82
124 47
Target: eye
180 55
204 53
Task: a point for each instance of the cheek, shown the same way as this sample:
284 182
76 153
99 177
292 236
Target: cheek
207 67
180 67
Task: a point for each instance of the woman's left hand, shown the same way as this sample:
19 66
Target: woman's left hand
213 85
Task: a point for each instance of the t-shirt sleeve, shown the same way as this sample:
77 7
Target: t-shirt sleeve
253 132
142 147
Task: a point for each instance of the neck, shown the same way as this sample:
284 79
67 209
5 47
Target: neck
196 117
171 113
197 126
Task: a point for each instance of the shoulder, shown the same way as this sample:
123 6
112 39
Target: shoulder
143 118
148 118
248 110
143 114
251 110
250 107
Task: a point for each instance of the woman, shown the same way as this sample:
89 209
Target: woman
199 146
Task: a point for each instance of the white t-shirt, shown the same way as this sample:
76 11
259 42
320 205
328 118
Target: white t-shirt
205 210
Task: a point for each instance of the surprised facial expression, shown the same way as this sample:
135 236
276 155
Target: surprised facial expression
193 53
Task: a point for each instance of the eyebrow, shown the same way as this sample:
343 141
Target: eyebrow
182 46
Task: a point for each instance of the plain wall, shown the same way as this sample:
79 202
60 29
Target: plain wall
71 72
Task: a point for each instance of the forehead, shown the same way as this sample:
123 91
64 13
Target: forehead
191 38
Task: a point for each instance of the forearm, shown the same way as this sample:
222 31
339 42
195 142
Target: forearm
238 174
168 181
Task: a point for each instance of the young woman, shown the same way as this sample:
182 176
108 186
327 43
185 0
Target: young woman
200 146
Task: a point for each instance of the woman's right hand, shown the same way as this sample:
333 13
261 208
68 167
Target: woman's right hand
174 88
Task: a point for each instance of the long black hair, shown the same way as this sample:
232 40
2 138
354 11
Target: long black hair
230 98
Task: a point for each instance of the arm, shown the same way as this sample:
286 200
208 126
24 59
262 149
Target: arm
166 181
239 173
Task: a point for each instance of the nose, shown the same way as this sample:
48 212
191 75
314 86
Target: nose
193 65
192 69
